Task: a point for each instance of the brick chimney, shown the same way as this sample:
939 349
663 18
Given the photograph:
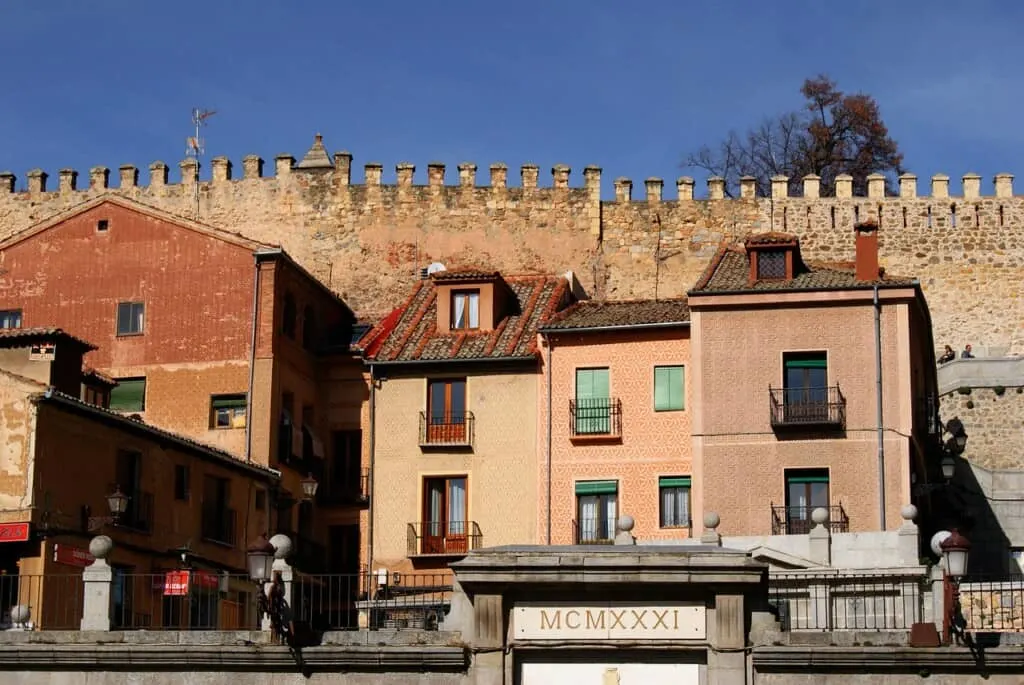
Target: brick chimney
867 250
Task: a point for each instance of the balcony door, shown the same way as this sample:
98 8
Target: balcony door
806 386
444 516
596 510
593 403
806 490
446 410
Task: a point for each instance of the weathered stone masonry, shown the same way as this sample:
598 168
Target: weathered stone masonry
368 240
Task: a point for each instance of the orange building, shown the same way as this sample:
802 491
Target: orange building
814 386
620 421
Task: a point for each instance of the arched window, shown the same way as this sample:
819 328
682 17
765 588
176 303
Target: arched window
288 318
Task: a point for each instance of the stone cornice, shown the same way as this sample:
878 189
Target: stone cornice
256 658
879 660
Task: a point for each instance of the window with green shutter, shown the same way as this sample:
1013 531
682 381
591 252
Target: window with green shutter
668 388
593 405
674 501
227 411
128 395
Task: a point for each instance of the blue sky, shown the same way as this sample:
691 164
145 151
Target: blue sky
630 88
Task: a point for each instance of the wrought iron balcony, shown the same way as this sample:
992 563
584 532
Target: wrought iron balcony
595 418
593 531
797 520
808 407
218 525
448 430
443 538
351 488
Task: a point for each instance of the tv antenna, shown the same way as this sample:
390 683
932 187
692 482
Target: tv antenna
195 146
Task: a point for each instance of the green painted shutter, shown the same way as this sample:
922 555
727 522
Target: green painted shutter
597 487
228 402
821 363
674 482
129 395
668 388
592 401
807 479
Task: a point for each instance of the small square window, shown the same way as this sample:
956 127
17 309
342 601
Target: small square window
10 318
129 395
771 264
102 225
130 318
227 411
465 310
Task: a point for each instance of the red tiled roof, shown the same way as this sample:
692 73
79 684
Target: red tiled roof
410 332
98 375
620 314
770 238
465 274
48 332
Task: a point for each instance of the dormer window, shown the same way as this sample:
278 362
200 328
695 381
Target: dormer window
465 310
771 265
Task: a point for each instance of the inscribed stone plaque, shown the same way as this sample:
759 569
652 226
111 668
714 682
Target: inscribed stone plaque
610 621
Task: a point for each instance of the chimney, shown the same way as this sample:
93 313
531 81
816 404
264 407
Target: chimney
867 251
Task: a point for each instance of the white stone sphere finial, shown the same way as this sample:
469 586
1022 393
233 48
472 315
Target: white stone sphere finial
100 546
282 546
626 523
908 512
712 519
820 515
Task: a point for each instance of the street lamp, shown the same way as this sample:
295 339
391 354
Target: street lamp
309 487
958 442
117 502
955 549
260 559
948 466
270 595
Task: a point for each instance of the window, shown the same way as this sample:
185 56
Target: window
260 500
446 410
102 225
806 490
345 475
805 385
288 316
444 515
771 264
465 309
128 477
10 318
182 487
128 395
596 510
227 411
674 499
592 413
668 388
218 521
309 330
286 429
130 317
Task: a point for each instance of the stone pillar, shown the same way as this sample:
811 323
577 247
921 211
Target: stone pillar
37 181
404 172
467 174
780 187
529 173
940 186
560 175
727 660
907 537
908 185
7 180
623 189
844 186
220 170
282 548
283 165
623 531
716 188
812 186
343 167
158 174
1004 185
710 535
876 186
820 538
748 187
67 181
592 182
499 175
373 172
684 188
97 578
129 176
972 186
653 187
189 171
435 174
252 167
488 637
99 178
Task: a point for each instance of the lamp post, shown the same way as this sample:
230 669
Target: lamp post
117 502
309 488
270 595
955 550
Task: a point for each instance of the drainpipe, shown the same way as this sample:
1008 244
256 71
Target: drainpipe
878 414
373 472
551 356
252 358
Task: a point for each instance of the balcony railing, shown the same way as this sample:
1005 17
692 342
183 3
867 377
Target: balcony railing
593 531
595 418
808 407
443 538
353 489
138 515
797 520
218 525
308 555
448 430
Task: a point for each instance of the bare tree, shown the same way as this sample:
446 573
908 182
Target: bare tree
833 134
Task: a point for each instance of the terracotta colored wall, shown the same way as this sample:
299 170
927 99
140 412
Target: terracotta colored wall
738 355
17 418
653 443
501 468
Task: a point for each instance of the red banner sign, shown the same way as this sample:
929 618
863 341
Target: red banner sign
177 583
72 556
13 532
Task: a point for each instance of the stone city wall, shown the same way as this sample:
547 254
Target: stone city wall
369 240
994 421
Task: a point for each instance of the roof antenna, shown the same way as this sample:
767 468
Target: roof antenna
195 146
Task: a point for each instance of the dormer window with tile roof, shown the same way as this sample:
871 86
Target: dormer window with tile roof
771 265
771 256
470 300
